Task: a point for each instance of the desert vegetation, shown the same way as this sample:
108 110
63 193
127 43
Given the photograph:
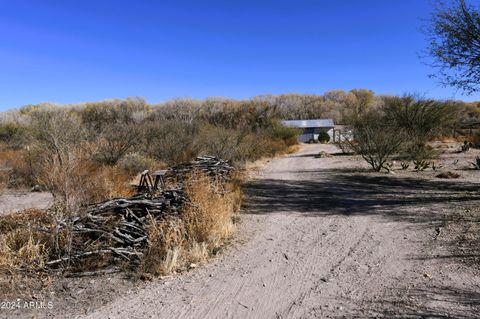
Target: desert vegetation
402 127
85 154
89 153
103 145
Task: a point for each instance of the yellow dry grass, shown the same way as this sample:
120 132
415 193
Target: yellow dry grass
23 251
203 228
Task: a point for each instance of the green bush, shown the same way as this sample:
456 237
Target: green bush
287 134
323 137
135 163
12 134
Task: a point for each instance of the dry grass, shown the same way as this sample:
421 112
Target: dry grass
28 239
17 168
78 181
451 139
167 238
24 251
208 218
205 225
292 149
476 139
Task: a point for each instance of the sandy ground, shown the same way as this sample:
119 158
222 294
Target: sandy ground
15 200
326 241
325 238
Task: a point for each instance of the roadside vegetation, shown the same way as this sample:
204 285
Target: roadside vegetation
402 127
92 152
85 154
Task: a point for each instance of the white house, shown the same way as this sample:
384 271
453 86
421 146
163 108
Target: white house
311 128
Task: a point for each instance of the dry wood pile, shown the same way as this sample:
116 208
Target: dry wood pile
116 230
212 166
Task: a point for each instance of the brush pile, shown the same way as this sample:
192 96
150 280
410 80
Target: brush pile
214 167
116 230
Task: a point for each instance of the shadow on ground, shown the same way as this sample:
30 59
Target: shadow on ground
431 204
436 302
347 193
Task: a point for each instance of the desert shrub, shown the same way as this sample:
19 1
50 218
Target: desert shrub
251 147
135 163
166 250
24 251
421 165
114 126
13 135
62 174
75 179
204 226
209 218
422 119
66 161
98 182
97 117
344 147
323 137
170 141
405 165
219 141
287 134
20 168
476 140
256 146
418 151
402 125
101 183
375 139
115 141
61 152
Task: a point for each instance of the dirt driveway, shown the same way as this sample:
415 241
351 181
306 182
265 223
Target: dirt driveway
324 239
16 200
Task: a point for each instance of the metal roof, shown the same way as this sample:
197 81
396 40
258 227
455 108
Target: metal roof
309 123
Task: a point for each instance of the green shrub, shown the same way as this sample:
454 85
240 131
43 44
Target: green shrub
323 137
287 134
375 139
421 165
13 135
135 163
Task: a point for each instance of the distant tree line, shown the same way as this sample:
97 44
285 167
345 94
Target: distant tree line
63 146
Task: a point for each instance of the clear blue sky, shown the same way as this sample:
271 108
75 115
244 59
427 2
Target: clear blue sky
75 51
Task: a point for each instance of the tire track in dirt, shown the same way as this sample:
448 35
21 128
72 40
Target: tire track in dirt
312 252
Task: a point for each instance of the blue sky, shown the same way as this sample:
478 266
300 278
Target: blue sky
76 51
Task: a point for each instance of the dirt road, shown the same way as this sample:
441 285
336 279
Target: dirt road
16 200
323 239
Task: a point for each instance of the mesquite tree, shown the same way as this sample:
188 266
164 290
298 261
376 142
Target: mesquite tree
454 45
375 139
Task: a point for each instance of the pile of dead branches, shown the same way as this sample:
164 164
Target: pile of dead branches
214 167
116 230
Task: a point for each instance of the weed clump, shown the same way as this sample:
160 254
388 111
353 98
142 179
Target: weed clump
204 226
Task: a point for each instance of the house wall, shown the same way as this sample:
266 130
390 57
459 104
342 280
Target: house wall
311 133
342 135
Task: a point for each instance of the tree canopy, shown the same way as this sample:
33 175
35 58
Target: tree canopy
454 44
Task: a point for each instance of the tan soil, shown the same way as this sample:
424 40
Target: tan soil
326 238
16 200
